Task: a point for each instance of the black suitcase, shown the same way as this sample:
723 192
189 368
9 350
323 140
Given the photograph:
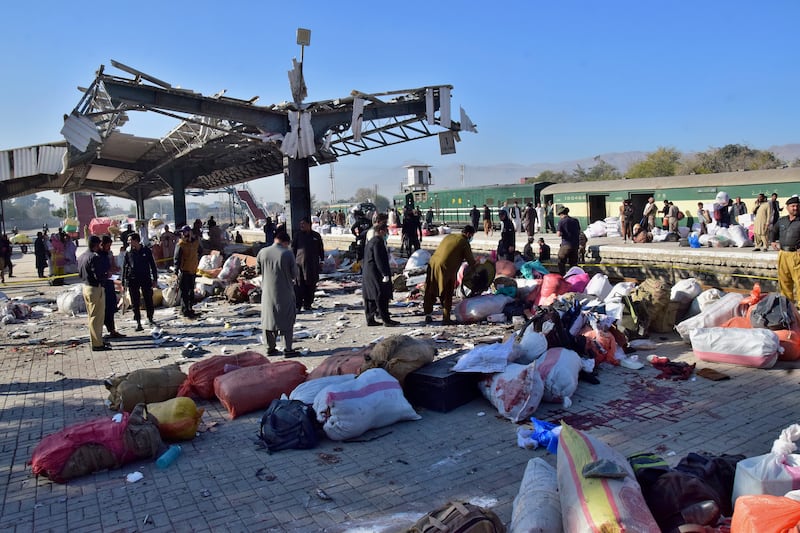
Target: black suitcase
436 387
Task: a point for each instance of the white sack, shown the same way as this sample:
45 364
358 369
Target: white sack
714 315
559 369
71 302
685 290
307 391
537 506
515 392
528 346
374 399
231 268
418 259
485 358
599 286
753 347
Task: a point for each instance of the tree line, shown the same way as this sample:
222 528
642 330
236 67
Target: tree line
667 161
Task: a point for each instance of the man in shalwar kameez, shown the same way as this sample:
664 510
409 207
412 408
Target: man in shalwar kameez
278 270
440 279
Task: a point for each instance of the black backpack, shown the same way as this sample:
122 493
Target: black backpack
772 312
288 424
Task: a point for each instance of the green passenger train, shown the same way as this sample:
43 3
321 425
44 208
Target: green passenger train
453 205
590 201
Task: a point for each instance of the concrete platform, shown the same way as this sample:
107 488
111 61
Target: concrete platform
225 482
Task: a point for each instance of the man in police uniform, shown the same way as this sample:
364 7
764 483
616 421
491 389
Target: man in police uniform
786 238
90 266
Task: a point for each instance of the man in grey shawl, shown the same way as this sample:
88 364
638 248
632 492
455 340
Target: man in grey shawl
278 270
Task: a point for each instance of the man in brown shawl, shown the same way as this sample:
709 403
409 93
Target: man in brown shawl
440 279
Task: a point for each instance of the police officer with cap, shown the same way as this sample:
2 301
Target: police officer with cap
786 238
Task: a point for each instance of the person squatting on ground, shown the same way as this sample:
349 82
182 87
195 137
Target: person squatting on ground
786 238
109 267
278 269
309 253
377 278
187 259
89 264
544 250
140 277
507 244
569 229
442 272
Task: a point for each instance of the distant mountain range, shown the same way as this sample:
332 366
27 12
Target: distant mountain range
389 178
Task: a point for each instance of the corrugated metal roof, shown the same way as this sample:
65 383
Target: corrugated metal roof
25 162
51 159
32 160
5 165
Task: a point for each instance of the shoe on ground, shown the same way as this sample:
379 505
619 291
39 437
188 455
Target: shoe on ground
152 322
448 322
103 348
756 249
428 319
391 323
291 353
273 351
117 335
373 323
139 327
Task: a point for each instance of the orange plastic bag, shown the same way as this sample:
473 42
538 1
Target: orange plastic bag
762 513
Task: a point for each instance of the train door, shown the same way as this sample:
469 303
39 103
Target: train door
597 207
638 201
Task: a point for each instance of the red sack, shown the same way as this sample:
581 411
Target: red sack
251 389
199 382
341 362
505 268
96 445
551 284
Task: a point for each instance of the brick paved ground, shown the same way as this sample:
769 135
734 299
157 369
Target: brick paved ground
225 482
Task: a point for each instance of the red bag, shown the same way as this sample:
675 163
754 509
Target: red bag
200 379
251 389
341 362
96 445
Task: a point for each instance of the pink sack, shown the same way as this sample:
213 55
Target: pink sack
552 284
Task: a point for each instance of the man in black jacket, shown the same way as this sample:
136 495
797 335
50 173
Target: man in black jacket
376 278
140 277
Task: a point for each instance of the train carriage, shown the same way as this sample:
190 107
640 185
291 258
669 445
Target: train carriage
453 205
590 201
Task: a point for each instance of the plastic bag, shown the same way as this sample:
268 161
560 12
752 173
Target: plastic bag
485 358
531 268
775 473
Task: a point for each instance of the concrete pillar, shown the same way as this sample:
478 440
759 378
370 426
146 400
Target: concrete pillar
298 192
179 201
140 214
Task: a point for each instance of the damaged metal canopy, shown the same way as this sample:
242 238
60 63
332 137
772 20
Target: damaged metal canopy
222 141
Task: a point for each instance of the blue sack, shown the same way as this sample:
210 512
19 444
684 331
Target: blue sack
694 240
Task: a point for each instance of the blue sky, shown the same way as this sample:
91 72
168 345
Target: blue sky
543 81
